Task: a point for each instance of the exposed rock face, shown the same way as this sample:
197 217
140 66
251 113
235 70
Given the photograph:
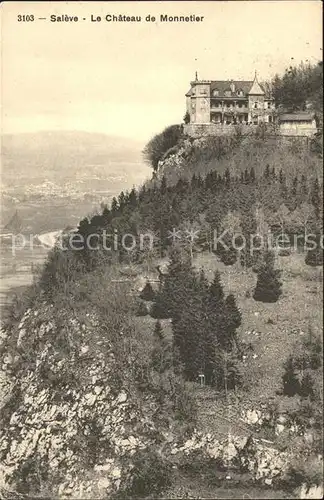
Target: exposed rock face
81 433
263 462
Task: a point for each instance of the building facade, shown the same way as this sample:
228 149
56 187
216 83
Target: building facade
302 123
229 102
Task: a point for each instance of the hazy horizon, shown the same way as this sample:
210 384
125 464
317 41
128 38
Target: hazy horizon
130 79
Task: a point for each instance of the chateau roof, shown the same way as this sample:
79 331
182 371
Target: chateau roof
256 87
225 85
246 86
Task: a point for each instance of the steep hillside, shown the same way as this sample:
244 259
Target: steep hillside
200 156
181 365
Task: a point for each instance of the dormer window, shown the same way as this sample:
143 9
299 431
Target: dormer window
240 93
228 93
215 93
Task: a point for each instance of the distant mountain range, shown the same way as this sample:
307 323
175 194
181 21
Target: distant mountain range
59 157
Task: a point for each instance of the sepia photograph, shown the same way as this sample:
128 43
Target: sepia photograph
161 228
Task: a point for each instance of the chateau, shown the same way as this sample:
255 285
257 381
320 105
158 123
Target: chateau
229 102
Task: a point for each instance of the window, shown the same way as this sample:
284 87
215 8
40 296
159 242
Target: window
240 93
215 92
228 93
255 105
240 105
228 105
269 105
203 91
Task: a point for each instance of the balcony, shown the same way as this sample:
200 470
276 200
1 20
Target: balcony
227 109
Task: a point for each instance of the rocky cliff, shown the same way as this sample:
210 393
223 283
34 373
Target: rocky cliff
72 425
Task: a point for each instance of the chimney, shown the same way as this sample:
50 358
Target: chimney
232 87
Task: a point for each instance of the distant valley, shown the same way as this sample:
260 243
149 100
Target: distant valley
52 180
71 171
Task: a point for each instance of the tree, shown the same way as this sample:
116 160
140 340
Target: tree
314 256
268 287
301 216
147 293
298 86
213 328
291 385
232 313
316 198
160 144
186 118
216 292
142 309
158 331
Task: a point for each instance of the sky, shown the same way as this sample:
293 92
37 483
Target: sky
130 79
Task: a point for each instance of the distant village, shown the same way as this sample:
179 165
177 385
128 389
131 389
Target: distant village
214 106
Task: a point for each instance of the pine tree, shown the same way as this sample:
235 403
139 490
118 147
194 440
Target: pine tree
202 332
316 198
273 173
291 385
147 293
142 309
162 352
114 207
232 311
230 318
267 171
294 187
248 256
160 309
214 327
314 256
228 256
268 287
176 284
306 389
158 331
303 188
216 292
187 330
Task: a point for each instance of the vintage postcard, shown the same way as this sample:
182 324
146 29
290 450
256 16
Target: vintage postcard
161 250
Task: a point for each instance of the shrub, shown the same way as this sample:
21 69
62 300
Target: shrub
142 309
268 287
147 293
291 385
314 257
186 118
160 143
150 476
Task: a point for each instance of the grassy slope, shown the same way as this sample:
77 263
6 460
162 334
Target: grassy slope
298 309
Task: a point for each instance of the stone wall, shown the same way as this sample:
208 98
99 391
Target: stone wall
205 129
